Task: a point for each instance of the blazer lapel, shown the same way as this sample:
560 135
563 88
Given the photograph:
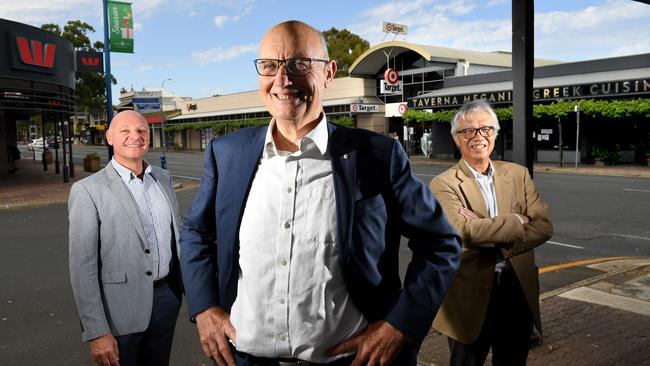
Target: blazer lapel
471 191
504 190
124 197
344 162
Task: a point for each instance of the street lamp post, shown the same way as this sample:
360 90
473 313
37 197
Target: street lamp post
163 158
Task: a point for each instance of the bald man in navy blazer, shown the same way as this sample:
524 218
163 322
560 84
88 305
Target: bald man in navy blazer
247 315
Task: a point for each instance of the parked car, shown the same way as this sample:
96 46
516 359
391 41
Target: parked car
51 143
38 144
30 146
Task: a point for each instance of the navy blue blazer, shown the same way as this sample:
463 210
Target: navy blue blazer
377 201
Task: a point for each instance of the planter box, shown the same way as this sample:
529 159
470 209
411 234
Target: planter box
47 156
91 164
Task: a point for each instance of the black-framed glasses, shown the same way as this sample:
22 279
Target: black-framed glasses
470 133
297 66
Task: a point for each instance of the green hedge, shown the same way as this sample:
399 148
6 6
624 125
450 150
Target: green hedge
219 127
612 109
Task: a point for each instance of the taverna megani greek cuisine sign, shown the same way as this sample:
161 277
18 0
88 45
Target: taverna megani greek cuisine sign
593 90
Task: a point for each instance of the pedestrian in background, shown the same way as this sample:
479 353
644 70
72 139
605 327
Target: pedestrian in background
124 270
494 205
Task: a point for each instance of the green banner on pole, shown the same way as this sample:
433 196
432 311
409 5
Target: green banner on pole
120 26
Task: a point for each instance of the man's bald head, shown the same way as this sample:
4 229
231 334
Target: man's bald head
127 115
295 32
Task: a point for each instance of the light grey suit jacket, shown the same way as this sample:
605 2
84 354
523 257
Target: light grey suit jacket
110 267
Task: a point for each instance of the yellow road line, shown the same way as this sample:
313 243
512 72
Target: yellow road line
579 263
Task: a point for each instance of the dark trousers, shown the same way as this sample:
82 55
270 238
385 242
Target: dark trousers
153 346
406 357
506 329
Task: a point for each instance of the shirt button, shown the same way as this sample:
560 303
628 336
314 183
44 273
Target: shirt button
149 273
283 262
147 251
282 338
289 189
287 225
281 300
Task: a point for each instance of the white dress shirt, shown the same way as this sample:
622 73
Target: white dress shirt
155 215
292 301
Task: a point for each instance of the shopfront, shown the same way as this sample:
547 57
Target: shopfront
591 93
36 87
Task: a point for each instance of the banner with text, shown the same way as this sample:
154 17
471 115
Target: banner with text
120 26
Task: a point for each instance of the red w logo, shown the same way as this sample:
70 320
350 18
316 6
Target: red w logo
90 61
36 55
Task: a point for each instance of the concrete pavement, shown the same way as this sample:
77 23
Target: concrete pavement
603 320
635 171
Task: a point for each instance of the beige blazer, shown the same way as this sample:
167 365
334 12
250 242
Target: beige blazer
463 310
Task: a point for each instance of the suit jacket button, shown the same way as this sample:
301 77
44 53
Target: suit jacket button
147 251
149 273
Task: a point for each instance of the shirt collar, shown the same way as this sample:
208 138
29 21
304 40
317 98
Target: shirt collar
125 173
479 175
317 137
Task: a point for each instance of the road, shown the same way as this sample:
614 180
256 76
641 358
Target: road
594 217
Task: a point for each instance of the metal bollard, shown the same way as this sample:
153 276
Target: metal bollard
163 162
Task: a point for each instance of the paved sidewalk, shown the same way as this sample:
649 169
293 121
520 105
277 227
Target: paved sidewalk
30 186
616 170
603 320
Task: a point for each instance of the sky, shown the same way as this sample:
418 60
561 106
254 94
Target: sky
206 47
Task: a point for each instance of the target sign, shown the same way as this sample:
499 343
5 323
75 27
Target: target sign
355 107
389 27
402 108
391 76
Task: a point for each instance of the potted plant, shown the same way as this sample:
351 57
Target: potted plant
47 156
91 162
605 156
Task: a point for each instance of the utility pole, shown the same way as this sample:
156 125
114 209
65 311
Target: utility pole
107 75
577 109
522 81
163 158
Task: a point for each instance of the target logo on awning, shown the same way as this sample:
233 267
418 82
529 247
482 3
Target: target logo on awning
402 108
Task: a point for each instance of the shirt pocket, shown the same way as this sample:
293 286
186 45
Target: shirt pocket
320 221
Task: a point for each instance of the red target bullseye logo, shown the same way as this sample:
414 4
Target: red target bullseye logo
402 108
355 108
391 76
389 27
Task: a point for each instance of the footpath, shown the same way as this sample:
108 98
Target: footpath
602 320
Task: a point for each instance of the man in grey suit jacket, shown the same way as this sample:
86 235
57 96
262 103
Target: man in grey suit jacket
124 268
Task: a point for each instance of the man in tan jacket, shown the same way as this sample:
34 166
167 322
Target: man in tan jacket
494 205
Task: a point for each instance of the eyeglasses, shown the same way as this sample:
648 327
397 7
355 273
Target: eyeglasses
470 133
298 66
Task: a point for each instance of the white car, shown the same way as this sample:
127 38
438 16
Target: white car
38 144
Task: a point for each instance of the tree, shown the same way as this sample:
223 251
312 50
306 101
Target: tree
90 89
344 47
